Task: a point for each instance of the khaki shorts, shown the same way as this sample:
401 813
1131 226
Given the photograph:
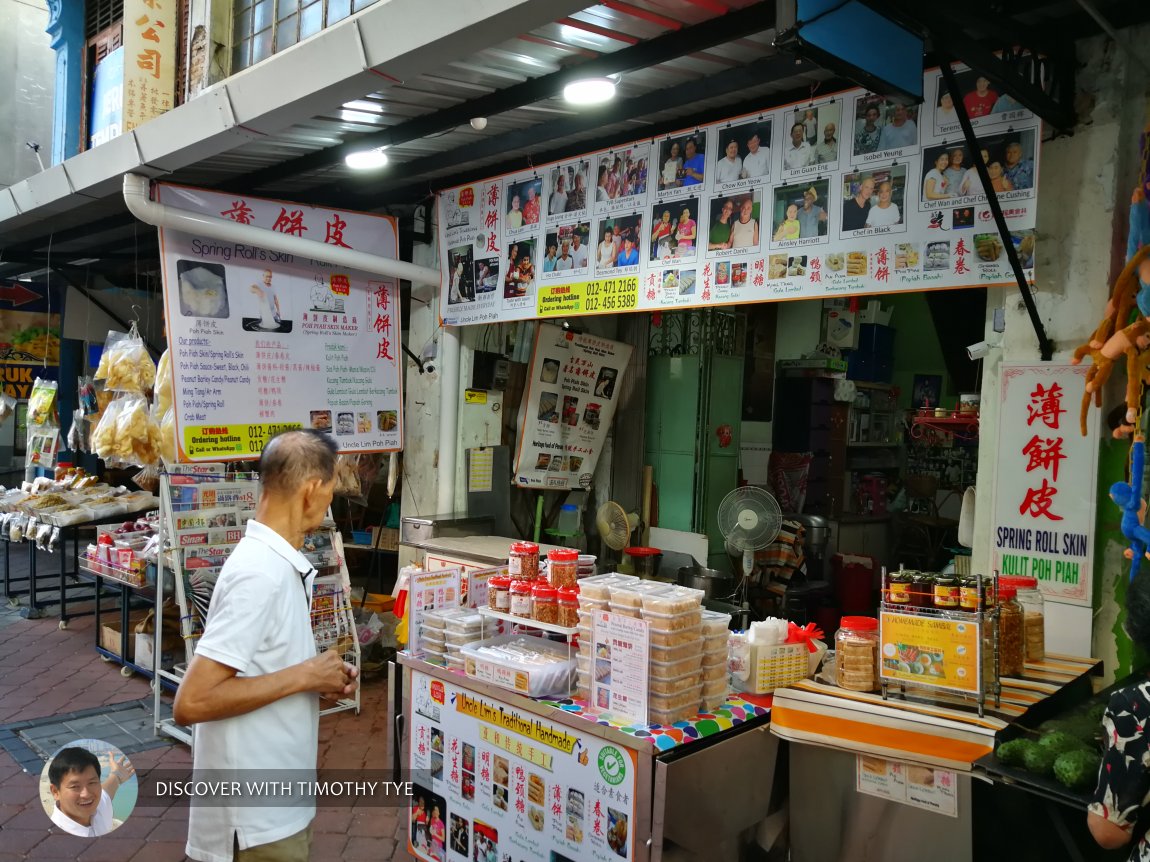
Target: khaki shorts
294 848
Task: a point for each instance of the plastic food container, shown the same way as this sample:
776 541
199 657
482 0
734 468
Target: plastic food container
434 620
544 603
670 654
631 595
523 561
598 587
499 593
464 621
563 567
672 600
521 598
671 716
626 610
672 622
682 699
587 605
546 671
670 670
716 671
433 650
715 643
462 638
715 694
672 686
715 623
674 638
455 662
856 654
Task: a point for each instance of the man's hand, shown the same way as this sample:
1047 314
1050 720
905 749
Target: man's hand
329 675
120 770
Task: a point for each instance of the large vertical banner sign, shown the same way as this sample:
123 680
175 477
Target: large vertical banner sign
30 320
573 387
107 111
493 783
263 340
150 58
1045 481
852 194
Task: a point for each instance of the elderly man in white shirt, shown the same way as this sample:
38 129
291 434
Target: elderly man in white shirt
799 153
82 804
252 690
757 161
729 168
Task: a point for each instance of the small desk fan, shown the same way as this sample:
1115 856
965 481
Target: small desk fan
615 526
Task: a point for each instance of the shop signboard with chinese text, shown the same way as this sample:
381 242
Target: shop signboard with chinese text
1045 481
852 194
573 386
263 340
150 59
930 651
429 591
495 782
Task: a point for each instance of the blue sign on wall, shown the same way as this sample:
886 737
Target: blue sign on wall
107 114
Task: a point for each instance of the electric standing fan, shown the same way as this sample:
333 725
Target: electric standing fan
749 519
615 525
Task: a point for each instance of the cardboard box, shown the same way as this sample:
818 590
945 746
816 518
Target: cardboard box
110 632
171 650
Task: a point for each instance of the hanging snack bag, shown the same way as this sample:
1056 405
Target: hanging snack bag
164 384
86 392
137 433
42 403
347 476
104 439
148 479
7 407
78 434
168 436
125 365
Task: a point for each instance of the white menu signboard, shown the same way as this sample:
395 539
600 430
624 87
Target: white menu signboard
495 783
918 786
572 389
429 591
262 341
620 665
851 194
1043 492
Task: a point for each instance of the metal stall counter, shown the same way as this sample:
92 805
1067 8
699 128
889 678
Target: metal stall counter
549 779
903 771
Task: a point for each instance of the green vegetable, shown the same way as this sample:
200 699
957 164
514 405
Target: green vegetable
1059 741
1095 712
1039 760
1077 769
1013 753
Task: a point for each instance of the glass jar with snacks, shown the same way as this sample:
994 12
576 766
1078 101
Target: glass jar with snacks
1011 651
523 561
563 567
568 607
947 593
544 603
922 590
520 602
969 599
898 587
856 654
499 593
1033 615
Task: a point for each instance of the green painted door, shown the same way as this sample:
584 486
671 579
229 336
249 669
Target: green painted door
672 433
720 445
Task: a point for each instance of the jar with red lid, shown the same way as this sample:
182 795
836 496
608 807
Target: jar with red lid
520 598
1011 648
544 603
523 561
499 593
563 567
569 607
856 652
1033 614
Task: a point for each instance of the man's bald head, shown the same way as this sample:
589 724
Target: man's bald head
292 458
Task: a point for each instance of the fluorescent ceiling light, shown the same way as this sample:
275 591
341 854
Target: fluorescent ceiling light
589 91
366 160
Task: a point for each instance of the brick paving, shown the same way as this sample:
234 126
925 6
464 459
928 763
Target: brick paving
45 671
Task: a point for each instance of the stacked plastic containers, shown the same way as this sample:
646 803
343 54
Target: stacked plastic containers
594 595
716 630
445 632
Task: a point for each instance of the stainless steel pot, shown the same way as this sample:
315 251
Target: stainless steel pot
715 584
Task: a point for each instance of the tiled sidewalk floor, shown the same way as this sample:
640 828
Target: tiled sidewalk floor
45 671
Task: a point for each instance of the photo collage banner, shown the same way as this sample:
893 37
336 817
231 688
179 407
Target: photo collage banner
851 193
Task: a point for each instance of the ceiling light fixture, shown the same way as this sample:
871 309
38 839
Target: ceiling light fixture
590 91
366 160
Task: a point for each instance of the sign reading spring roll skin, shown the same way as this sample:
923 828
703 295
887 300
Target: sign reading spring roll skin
572 390
263 341
493 782
854 194
1043 523
931 651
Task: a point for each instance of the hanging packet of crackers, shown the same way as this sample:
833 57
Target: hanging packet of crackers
125 365
42 404
127 433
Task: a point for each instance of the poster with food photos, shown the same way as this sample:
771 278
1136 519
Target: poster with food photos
851 193
263 341
492 781
574 383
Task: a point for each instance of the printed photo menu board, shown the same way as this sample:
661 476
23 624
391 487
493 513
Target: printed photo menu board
572 389
854 193
494 783
262 341
1043 521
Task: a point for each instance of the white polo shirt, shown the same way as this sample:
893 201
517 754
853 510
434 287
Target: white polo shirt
259 622
101 820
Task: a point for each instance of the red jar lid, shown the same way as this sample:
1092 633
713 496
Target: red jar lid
544 592
523 587
1006 593
563 555
641 552
569 595
1018 583
525 548
859 624
500 582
